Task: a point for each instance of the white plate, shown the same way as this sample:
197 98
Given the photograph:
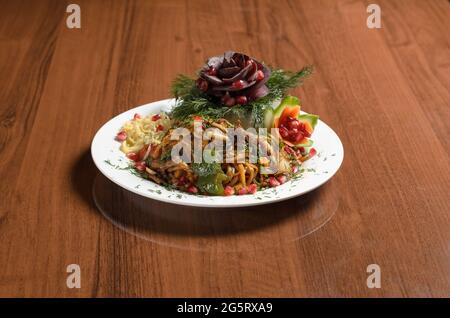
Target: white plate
113 163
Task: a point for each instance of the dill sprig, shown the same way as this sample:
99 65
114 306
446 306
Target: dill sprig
280 80
192 101
182 86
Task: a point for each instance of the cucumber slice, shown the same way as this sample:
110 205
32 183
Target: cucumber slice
287 101
305 145
268 118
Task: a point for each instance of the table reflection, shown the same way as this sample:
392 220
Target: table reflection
215 229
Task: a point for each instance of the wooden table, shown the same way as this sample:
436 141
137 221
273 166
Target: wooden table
385 92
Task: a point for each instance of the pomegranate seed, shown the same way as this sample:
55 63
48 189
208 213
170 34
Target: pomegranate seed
230 102
290 118
229 190
140 165
160 128
242 100
238 84
181 181
121 136
294 169
202 84
142 152
312 152
302 150
273 182
242 191
282 179
192 189
260 75
156 117
293 124
133 156
284 132
297 138
252 188
212 71
136 116
293 132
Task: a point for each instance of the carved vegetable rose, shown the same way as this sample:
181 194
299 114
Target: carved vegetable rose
234 78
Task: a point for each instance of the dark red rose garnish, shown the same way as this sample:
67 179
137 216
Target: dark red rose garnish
234 78
202 84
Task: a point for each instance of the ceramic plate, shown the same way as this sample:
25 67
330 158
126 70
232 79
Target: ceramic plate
114 165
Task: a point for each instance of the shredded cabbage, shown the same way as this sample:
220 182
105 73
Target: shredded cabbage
144 131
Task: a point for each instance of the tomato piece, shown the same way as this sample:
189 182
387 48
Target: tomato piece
133 156
142 153
228 190
242 191
140 166
273 182
282 179
252 188
192 189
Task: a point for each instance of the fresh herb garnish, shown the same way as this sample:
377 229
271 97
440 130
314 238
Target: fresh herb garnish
192 101
204 169
182 86
166 156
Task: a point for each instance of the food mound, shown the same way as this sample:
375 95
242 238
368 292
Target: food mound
211 142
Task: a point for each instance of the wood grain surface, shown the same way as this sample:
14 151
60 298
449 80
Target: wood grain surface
384 91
